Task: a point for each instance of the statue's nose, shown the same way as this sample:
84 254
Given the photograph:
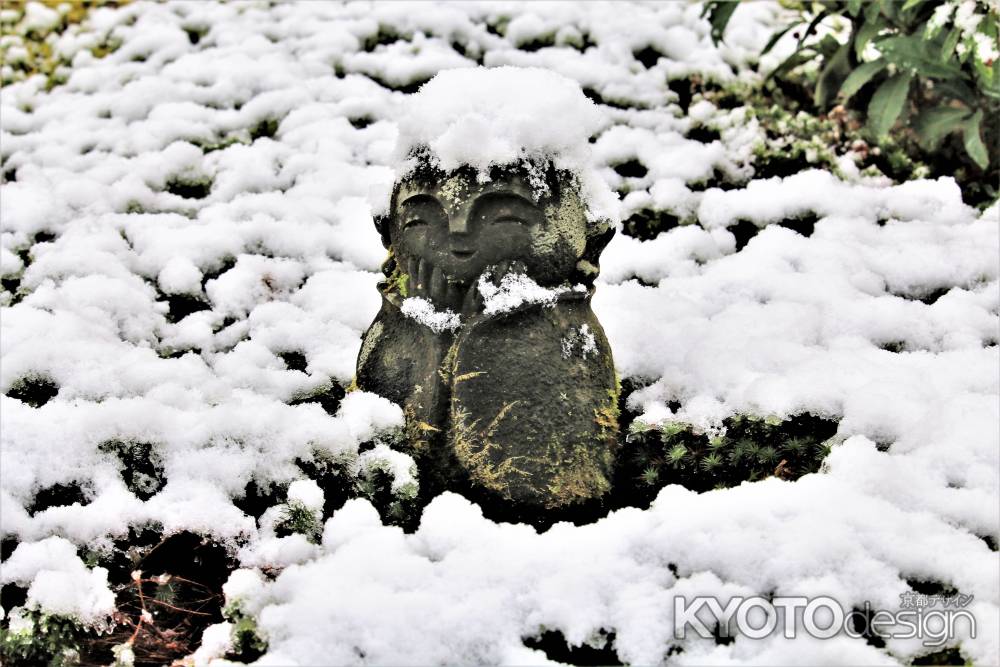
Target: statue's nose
458 224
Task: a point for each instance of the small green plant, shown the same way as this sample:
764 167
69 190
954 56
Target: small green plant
376 482
751 448
140 464
297 518
34 638
247 644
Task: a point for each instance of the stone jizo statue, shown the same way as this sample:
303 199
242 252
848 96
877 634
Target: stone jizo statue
486 336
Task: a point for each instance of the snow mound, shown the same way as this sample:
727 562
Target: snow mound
484 117
59 582
467 590
503 116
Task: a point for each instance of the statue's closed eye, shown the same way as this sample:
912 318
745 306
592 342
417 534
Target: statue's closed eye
507 209
420 212
510 220
415 223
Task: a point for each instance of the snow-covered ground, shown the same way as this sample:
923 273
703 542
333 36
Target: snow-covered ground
226 159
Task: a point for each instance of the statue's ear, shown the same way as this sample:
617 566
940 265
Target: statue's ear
588 266
382 225
598 238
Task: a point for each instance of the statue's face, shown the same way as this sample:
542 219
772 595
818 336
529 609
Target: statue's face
446 234
461 227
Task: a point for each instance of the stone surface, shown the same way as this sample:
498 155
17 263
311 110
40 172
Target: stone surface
508 383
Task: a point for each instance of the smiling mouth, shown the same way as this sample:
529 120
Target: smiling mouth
462 254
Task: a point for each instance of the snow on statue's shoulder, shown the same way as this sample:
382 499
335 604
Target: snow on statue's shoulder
505 116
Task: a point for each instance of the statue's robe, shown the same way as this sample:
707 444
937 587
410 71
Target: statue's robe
520 405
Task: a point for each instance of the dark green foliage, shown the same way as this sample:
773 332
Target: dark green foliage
182 305
294 360
752 448
718 13
333 474
646 224
630 169
189 187
537 43
931 587
395 508
57 495
555 647
925 87
35 390
11 284
341 481
140 464
704 134
54 641
208 146
598 98
248 645
385 36
946 656
196 32
265 128
648 56
212 272
894 346
743 230
255 499
12 595
328 397
805 224
297 518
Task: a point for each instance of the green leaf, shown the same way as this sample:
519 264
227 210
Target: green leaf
887 103
957 89
988 78
915 53
934 125
832 76
888 8
860 76
910 4
950 42
865 34
853 7
828 46
677 454
791 62
719 13
812 26
973 140
711 462
777 36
